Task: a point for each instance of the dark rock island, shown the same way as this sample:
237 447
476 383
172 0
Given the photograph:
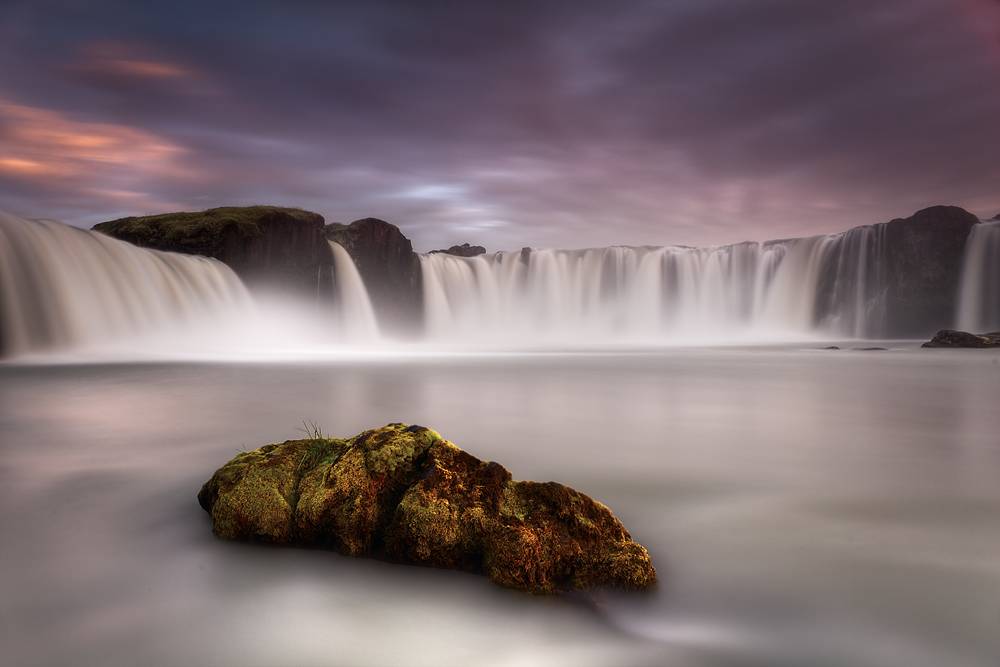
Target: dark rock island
262 244
389 267
952 338
271 246
404 494
464 250
922 268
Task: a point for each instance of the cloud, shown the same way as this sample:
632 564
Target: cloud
526 123
115 59
54 155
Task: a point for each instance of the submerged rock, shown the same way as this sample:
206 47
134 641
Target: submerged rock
404 494
952 338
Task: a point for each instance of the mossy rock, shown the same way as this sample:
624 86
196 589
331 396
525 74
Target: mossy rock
404 494
203 232
269 246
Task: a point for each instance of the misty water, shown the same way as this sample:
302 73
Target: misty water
803 507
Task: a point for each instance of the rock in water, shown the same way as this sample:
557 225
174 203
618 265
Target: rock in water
952 338
404 494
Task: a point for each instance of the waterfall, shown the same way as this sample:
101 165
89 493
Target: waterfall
979 301
355 315
829 284
61 286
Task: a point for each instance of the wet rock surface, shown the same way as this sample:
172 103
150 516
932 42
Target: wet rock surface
953 338
404 494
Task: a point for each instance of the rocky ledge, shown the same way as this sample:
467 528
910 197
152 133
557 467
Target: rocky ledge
264 245
952 338
404 494
389 267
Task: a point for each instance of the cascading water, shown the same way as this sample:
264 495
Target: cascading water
979 303
61 286
782 288
355 315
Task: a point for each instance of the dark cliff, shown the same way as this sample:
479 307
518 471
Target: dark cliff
264 245
906 273
923 269
389 267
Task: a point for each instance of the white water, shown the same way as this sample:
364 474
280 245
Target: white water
61 286
780 289
354 309
979 306
64 288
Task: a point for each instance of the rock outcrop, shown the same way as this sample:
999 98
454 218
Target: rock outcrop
923 268
404 494
952 338
389 267
913 273
464 250
264 245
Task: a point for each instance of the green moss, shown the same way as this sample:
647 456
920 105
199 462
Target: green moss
203 231
403 493
394 446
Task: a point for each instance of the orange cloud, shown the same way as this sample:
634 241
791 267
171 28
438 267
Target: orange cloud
120 59
20 165
114 163
42 141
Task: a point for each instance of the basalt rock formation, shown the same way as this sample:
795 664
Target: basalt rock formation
913 267
389 267
404 494
952 338
923 268
264 245
464 250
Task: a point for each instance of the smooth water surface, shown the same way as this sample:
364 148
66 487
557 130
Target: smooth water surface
803 507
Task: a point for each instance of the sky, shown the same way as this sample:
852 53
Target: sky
507 124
